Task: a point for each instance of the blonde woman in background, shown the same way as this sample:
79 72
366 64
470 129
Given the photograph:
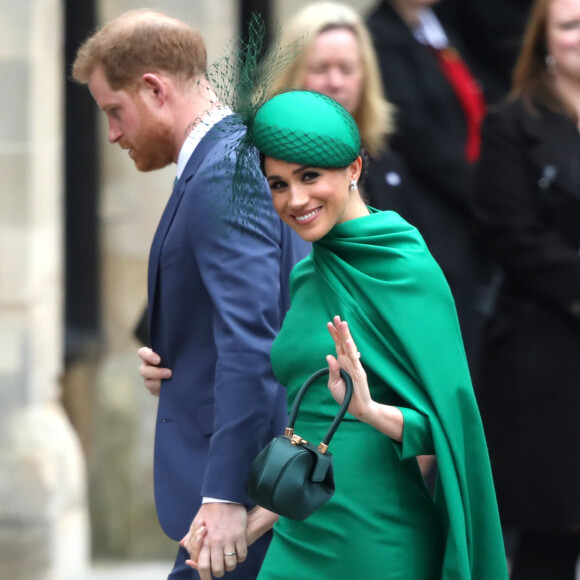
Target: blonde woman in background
335 56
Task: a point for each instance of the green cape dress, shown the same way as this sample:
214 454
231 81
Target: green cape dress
377 274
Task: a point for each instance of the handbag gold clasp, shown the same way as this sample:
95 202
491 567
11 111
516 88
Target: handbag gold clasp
297 440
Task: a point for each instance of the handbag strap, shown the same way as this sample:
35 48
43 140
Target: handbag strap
341 412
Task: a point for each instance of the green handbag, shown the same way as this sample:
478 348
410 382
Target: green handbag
290 476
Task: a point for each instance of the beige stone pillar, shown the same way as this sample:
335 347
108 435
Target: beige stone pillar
43 515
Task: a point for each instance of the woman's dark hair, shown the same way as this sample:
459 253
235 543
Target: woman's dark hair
363 174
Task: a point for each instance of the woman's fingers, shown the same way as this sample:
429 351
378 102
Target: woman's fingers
343 341
335 383
193 541
352 352
343 333
337 331
334 369
348 358
334 332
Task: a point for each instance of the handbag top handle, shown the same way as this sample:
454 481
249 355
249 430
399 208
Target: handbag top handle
339 416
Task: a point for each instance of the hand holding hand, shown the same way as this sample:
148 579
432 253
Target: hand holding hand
260 520
216 540
151 373
193 541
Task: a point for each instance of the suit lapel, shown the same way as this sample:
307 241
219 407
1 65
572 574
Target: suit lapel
199 154
158 239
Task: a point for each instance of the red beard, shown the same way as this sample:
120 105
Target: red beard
154 147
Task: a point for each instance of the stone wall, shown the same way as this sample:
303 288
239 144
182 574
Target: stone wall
43 514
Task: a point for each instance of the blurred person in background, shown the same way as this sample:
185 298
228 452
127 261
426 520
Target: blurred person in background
439 108
527 201
491 36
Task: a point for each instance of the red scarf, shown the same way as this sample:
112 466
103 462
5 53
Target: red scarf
469 94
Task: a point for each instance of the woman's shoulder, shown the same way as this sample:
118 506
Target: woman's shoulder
508 119
382 246
375 228
526 110
387 29
529 120
301 271
505 111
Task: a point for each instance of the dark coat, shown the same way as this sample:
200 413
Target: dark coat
218 291
430 137
388 185
527 194
491 31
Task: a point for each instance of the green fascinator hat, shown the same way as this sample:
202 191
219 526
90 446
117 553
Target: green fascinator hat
307 128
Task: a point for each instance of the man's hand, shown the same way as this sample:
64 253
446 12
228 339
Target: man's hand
151 373
221 545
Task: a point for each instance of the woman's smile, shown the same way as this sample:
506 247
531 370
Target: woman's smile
312 200
307 218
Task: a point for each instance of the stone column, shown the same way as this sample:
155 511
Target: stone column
43 515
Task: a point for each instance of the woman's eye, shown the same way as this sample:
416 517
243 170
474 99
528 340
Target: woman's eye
277 185
349 69
319 69
310 176
571 25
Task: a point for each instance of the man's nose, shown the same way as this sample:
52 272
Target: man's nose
114 133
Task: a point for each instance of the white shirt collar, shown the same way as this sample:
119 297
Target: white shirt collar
429 30
198 133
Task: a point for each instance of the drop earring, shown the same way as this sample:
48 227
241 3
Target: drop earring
353 184
550 61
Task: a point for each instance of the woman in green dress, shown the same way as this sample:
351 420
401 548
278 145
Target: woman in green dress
412 390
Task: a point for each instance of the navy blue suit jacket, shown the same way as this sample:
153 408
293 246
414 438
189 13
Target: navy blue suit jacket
218 291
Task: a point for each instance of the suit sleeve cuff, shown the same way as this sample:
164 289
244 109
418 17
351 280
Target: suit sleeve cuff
215 500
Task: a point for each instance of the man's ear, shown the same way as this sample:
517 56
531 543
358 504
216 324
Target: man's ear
155 86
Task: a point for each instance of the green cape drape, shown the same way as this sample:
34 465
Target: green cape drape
378 271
